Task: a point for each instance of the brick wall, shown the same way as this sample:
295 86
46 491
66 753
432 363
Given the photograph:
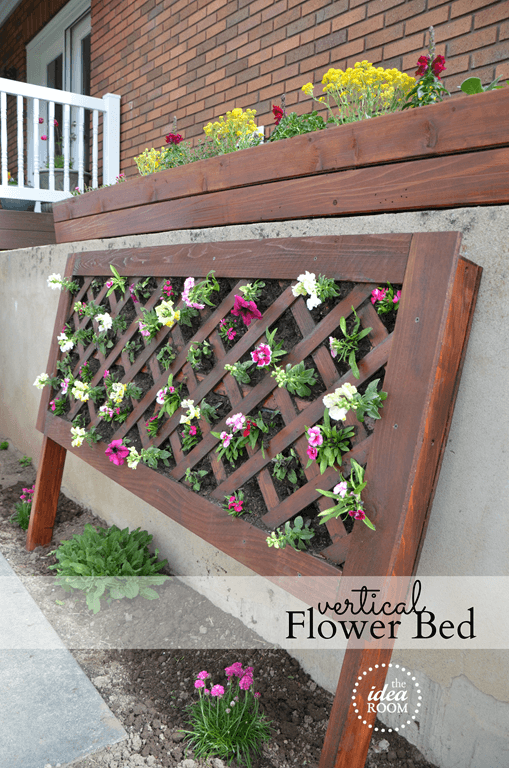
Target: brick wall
196 60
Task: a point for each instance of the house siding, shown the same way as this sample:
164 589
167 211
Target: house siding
198 60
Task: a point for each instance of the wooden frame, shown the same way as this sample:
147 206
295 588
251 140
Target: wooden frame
423 357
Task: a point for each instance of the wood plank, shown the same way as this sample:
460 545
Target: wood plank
457 125
25 229
443 182
357 258
47 489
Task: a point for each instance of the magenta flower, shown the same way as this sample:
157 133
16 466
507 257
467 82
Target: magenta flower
231 333
117 452
378 294
143 329
106 374
199 684
257 695
161 395
192 430
203 675
315 436
173 138
357 514
133 294
262 355
41 120
53 404
109 283
235 504
247 310
246 682
235 669
44 138
64 385
340 489
188 287
226 438
312 452
236 421
397 297
217 690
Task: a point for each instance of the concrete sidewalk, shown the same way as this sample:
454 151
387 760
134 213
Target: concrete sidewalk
49 710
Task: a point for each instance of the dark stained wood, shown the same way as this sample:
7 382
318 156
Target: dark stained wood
479 178
47 489
459 125
25 229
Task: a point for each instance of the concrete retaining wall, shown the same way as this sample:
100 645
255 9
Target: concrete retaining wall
464 720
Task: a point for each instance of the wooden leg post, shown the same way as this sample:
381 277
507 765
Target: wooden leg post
47 489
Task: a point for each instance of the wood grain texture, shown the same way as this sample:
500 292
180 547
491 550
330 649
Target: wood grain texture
25 229
47 489
460 125
479 178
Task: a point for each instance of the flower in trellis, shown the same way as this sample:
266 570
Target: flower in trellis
65 385
235 504
80 391
166 314
226 438
247 310
315 436
78 434
378 294
55 281
105 322
278 114
134 458
357 514
64 342
117 452
161 395
340 489
188 287
193 412
117 392
340 401
312 452
41 381
236 421
262 355
143 329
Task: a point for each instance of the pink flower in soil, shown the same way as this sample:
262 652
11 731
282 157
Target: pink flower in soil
315 436
235 669
44 138
262 355
246 682
41 120
133 295
203 675
188 286
312 452
340 489
397 297
235 504
106 374
53 404
199 684
236 421
143 329
64 386
247 310
206 691
161 395
116 452
192 430
333 351
109 283
378 294
357 514
231 333
226 438
217 690
257 695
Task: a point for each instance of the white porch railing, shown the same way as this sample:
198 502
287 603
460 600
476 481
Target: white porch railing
41 101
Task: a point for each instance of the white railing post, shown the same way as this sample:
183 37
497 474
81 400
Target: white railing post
3 135
111 138
21 170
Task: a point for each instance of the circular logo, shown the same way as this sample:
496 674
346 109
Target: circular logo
400 697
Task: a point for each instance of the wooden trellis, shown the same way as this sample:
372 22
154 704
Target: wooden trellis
422 359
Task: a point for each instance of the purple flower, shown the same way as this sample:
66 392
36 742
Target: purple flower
217 690
247 310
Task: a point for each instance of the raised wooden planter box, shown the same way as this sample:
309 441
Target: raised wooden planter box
443 156
25 229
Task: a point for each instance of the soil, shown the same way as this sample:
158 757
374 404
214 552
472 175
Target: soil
149 688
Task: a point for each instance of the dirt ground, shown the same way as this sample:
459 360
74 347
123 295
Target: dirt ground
149 689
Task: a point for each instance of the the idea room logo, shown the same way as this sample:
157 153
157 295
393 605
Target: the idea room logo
400 697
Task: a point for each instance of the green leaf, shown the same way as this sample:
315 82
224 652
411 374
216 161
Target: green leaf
472 85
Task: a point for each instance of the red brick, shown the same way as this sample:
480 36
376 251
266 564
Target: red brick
262 55
497 12
346 50
366 27
273 64
249 23
215 53
237 42
285 45
384 36
401 12
452 29
502 71
462 7
472 41
288 20
412 43
491 55
504 31
306 26
273 10
259 5
426 20
265 29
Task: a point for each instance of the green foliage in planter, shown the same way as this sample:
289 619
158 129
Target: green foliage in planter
294 124
473 85
108 561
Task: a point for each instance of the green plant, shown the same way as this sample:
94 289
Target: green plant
282 466
252 291
239 371
347 495
473 85
294 125
295 537
227 723
108 562
346 398
166 356
429 89
116 282
346 348
238 131
197 351
194 478
25 461
295 379
234 504
327 444
4 445
132 347
23 508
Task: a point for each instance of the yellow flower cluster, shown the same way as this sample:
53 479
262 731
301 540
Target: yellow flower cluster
166 314
237 123
363 91
149 161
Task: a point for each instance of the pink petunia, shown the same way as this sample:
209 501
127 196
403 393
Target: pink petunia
378 294
41 120
236 421
106 374
247 310
262 355
231 333
188 287
117 452
143 329
397 297
315 436
333 351
340 489
226 438
312 452
217 690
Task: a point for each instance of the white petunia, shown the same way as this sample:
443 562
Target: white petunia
65 343
134 458
55 282
41 381
78 434
313 301
105 322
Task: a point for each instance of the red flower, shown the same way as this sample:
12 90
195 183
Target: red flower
247 429
438 65
422 63
247 310
278 114
173 138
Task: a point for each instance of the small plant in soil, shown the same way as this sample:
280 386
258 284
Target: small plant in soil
283 468
345 349
239 371
108 562
347 497
4 445
252 291
244 432
346 398
327 444
227 329
385 300
195 478
296 379
25 461
132 348
116 282
140 289
166 356
234 504
295 537
23 508
227 722
197 351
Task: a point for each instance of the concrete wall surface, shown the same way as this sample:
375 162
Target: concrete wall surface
464 720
